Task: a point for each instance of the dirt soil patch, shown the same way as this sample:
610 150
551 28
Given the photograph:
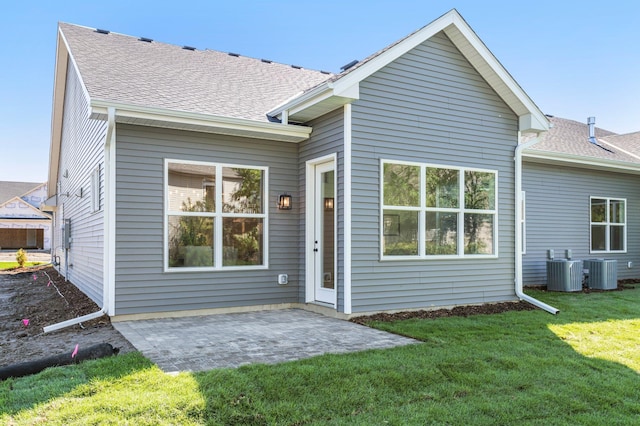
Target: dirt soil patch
43 297
458 311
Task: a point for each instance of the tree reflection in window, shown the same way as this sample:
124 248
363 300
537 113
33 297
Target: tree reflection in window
455 215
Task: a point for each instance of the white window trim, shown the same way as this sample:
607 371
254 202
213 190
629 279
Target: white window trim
218 217
607 224
422 209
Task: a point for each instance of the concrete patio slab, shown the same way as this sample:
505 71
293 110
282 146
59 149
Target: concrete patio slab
201 343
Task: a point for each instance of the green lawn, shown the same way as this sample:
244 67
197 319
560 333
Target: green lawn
13 265
579 367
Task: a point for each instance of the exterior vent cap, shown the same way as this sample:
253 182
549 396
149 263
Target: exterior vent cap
235 55
349 65
100 31
266 61
189 48
324 72
296 67
145 39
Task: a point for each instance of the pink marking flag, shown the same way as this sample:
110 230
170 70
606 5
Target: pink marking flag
35 277
25 322
75 352
49 283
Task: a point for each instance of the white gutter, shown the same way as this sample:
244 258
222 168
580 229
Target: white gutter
109 149
518 249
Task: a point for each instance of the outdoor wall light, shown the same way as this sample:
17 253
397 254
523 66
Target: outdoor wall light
284 202
328 203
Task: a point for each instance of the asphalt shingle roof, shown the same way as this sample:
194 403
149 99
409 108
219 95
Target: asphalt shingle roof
9 189
629 142
572 137
121 68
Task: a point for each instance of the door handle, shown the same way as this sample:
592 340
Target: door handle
315 246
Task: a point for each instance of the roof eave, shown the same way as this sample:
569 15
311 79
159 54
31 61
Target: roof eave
580 161
316 102
531 118
345 89
206 123
59 88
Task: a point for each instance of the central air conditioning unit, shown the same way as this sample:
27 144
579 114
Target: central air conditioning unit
564 275
603 273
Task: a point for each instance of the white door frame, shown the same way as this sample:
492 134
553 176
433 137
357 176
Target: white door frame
311 203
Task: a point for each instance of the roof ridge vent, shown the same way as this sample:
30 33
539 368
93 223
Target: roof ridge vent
145 39
235 55
349 65
101 31
189 48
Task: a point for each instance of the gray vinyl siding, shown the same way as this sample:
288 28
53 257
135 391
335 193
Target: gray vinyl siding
429 106
327 138
82 150
142 286
557 216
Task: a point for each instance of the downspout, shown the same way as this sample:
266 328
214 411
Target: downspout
518 249
108 152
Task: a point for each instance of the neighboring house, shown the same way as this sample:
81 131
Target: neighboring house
582 193
193 181
22 223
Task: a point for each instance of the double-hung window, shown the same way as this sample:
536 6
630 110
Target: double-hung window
608 225
215 215
431 210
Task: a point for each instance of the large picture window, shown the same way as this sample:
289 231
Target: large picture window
430 211
608 225
215 215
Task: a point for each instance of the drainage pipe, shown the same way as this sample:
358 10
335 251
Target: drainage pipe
75 321
110 138
518 249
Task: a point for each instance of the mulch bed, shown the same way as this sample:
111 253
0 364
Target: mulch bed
458 311
465 311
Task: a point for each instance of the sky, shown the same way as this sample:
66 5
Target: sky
575 59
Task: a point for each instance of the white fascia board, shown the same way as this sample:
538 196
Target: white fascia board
134 114
63 58
303 104
537 121
578 161
531 123
395 52
59 88
326 91
298 99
